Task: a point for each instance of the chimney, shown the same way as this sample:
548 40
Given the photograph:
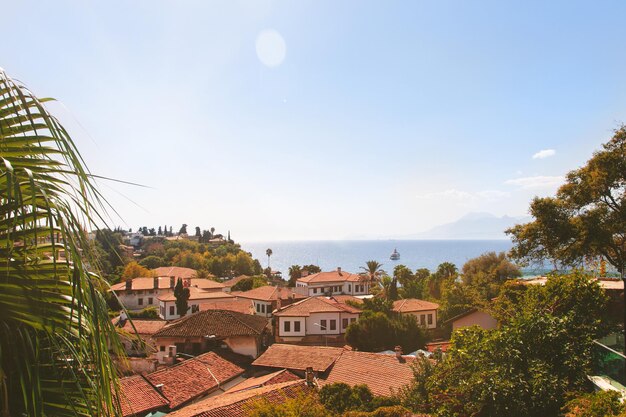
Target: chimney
172 282
129 284
339 270
309 376
398 350
155 283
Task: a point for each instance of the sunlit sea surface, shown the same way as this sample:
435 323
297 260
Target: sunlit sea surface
350 255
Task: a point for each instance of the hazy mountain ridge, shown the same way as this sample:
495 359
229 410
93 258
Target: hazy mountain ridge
471 226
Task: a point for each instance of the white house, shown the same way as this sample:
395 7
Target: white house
333 282
197 297
268 298
314 316
424 311
139 293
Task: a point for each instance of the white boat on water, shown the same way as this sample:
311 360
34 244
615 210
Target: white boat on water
395 255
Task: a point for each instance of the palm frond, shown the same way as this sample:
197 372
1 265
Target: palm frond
55 334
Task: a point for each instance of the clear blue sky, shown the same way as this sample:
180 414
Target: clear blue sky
381 119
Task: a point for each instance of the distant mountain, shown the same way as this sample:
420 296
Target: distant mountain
472 226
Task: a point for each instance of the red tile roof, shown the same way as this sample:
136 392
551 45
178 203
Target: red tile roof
240 306
235 280
175 271
142 326
269 293
320 304
261 381
143 283
238 404
198 294
383 374
194 377
332 276
443 345
409 305
320 358
221 323
138 396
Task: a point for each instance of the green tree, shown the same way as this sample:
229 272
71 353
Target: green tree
269 253
373 269
183 230
403 274
152 262
487 272
595 404
305 405
311 269
446 273
587 217
182 296
375 332
55 333
295 272
198 232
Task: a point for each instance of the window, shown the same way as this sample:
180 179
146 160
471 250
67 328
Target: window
323 325
422 319
349 287
314 290
430 319
172 310
162 348
296 326
333 325
344 323
150 299
258 308
287 326
140 301
262 308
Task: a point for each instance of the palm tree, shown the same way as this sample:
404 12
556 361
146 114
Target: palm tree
373 269
269 253
55 333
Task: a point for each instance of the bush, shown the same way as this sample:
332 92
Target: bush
596 404
146 313
392 411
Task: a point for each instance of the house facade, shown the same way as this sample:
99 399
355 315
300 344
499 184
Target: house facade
197 297
194 334
322 319
424 311
333 282
138 293
268 298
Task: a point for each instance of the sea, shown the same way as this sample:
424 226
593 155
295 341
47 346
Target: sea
351 255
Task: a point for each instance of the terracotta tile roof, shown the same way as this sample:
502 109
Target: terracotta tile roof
237 404
318 304
142 326
269 293
261 381
221 323
175 271
235 280
283 356
383 374
206 283
332 276
142 283
138 396
194 377
433 346
413 304
240 306
198 294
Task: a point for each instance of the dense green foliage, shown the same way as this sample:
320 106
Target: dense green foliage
377 331
595 404
526 367
250 283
